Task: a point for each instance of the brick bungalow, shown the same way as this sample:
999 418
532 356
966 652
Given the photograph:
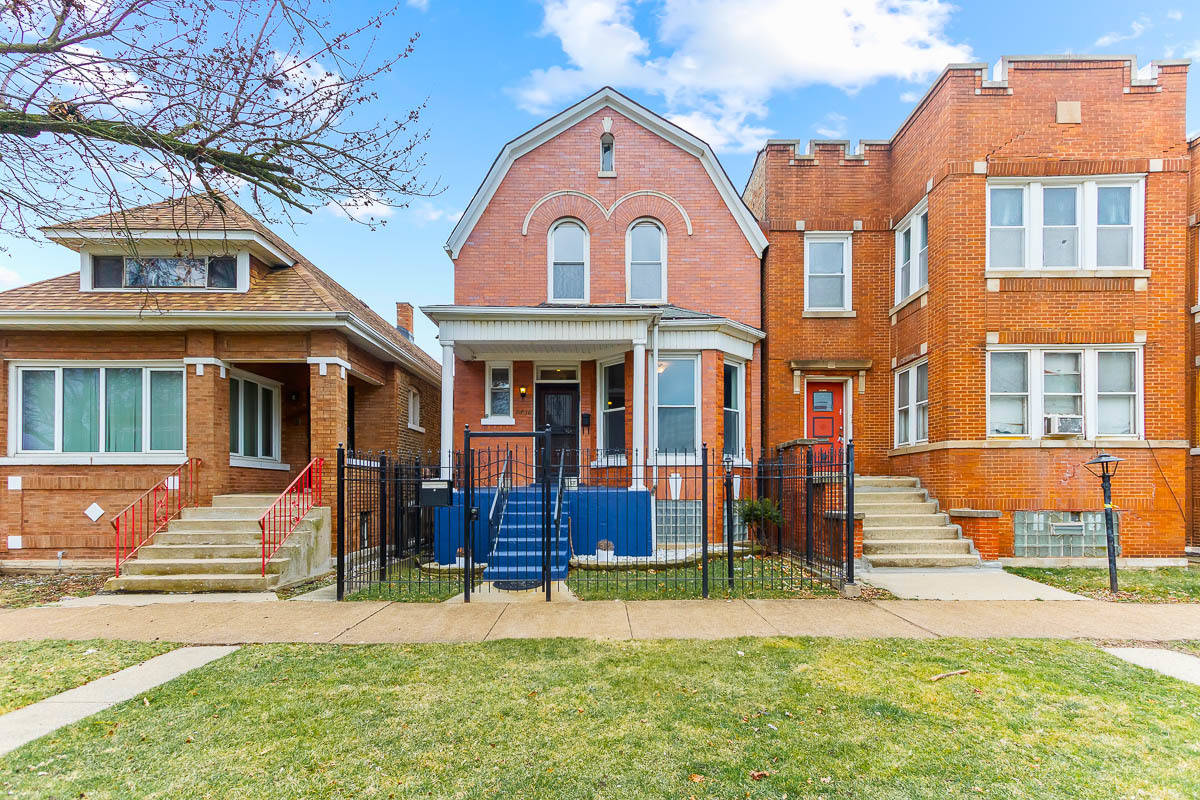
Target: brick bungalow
988 299
218 341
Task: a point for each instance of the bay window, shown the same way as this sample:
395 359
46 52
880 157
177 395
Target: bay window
733 409
254 418
612 408
912 404
1065 392
81 409
678 420
912 253
827 262
1066 223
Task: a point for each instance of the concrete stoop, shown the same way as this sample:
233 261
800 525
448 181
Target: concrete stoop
219 549
903 526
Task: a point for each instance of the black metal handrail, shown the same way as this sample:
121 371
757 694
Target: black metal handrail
500 500
558 501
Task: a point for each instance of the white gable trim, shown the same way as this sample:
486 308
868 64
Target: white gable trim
573 115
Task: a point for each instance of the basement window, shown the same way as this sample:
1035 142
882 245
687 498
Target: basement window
1061 534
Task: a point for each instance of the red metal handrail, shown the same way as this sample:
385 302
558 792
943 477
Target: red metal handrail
137 523
289 508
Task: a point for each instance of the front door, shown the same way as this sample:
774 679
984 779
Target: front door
824 414
558 407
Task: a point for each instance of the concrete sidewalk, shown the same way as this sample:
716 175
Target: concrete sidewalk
237 623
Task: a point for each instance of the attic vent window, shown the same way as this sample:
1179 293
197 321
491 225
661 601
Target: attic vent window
606 155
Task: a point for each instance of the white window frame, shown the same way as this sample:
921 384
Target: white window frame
87 279
674 457
414 410
908 376
272 461
740 393
662 230
587 272
1086 219
1035 404
16 455
612 143
603 457
912 222
847 267
489 418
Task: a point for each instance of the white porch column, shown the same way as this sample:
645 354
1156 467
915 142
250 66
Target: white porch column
447 409
639 413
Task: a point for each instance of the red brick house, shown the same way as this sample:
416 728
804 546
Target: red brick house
606 282
989 298
210 339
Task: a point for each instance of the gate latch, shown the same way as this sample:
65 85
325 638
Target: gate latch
474 513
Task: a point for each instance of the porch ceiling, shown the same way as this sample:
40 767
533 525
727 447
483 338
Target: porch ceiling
560 349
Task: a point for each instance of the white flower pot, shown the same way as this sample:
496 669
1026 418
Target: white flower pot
460 562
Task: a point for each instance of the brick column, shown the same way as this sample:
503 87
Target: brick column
327 413
207 415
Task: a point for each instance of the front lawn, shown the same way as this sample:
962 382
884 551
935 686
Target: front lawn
1163 585
753 577
32 671
32 589
747 718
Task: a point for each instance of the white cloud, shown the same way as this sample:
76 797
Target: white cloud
910 97
1175 15
426 212
716 63
420 5
98 79
831 126
9 278
1136 29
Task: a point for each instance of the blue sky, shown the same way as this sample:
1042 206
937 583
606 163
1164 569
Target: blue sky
734 73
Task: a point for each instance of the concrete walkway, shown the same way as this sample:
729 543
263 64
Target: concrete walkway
45 716
962 584
1169 662
236 623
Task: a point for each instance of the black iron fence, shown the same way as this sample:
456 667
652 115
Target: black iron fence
509 514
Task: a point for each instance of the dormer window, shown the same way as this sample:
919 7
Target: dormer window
164 272
606 155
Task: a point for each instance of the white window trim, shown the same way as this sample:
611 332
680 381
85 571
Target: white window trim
1086 219
587 262
674 458
908 373
488 418
414 403
911 221
604 459
608 173
740 457
847 267
1035 403
85 274
16 455
662 229
260 462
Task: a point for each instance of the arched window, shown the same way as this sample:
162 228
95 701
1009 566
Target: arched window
568 246
606 153
646 250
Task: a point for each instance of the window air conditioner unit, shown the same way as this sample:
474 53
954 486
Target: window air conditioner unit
1063 426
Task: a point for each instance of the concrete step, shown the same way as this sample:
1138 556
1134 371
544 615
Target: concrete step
244 500
888 495
912 533
204 536
160 550
914 561
905 520
199 582
226 525
206 566
915 546
884 481
225 512
870 507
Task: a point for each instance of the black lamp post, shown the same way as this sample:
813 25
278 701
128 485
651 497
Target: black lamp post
1104 467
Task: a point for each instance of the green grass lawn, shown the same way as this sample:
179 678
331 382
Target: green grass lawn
20 591
408 584
32 671
1163 585
753 577
748 718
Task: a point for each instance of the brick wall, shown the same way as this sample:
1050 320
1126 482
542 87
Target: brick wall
961 133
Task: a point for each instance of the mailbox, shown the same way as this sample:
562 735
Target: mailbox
437 492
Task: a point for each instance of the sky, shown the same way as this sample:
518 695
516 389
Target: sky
733 73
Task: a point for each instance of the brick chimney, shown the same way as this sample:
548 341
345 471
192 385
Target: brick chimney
404 319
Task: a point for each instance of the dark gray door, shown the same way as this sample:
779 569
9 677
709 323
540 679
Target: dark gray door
558 407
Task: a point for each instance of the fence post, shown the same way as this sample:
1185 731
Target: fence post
808 504
341 522
397 495
704 525
849 512
468 528
729 521
383 518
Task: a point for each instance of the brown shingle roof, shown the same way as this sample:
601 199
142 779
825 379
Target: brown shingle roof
304 287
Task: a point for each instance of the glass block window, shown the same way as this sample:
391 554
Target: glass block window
1061 534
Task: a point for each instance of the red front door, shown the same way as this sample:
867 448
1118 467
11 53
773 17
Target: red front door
823 404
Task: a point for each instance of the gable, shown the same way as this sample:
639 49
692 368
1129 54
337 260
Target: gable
606 97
